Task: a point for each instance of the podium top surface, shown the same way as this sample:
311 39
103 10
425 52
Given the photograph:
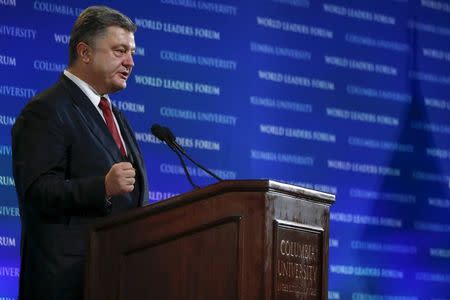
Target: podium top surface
262 185
226 186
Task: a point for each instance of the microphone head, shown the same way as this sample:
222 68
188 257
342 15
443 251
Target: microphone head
158 131
169 134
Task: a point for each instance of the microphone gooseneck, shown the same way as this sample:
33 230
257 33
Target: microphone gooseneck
178 146
160 133
165 134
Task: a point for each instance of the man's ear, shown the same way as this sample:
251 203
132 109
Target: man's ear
84 52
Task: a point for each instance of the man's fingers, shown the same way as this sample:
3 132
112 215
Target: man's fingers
125 169
120 179
128 186
128 181
129 173
125 165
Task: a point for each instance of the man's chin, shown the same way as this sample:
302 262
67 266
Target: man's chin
118 86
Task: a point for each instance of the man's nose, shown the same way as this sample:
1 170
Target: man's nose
129 61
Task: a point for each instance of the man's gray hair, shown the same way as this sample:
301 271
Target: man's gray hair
94 21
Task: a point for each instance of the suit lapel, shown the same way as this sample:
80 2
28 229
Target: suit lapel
93 119
133 152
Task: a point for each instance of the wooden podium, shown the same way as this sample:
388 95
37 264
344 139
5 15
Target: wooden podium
244 239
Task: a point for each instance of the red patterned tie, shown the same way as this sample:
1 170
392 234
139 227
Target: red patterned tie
107 113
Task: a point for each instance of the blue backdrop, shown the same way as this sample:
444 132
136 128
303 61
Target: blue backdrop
347 97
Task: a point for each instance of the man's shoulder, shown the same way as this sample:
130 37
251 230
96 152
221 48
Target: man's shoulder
51 102
53 95
55 98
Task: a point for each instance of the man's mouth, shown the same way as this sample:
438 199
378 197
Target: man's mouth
124 75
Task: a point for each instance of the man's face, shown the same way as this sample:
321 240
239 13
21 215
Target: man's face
112 60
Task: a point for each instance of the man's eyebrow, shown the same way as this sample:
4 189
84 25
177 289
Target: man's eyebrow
125 46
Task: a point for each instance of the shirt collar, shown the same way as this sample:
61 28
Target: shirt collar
88 90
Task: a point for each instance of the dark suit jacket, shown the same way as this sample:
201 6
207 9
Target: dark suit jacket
62 150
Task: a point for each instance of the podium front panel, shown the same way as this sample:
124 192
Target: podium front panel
297 261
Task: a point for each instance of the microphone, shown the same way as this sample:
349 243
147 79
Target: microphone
163 135
173 140
166 135
159 132
181 149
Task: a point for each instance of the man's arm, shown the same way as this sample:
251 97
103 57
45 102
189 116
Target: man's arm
40 143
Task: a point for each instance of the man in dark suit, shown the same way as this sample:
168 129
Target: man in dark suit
75 158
